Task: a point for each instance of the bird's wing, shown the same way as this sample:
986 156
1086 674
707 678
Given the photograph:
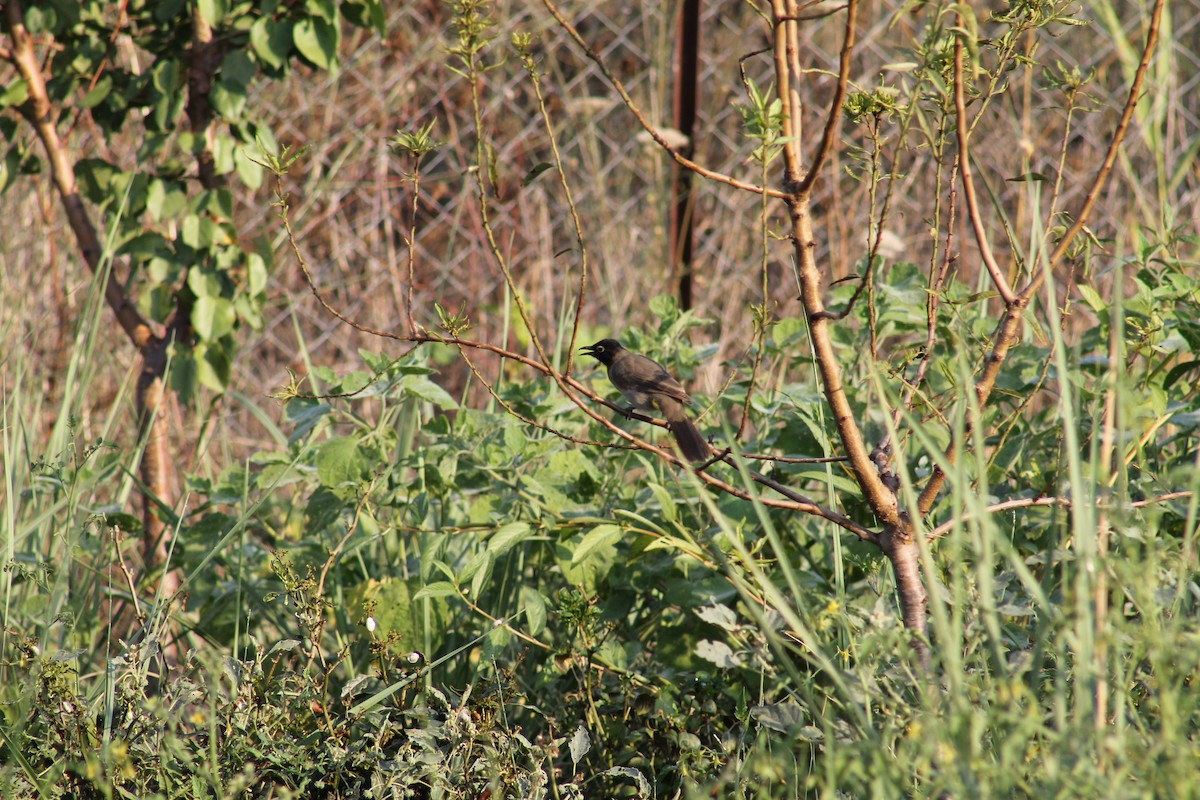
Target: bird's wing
662 382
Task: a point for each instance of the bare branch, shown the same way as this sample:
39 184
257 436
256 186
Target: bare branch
968 179
834 117
1065 502
787 68
1114 148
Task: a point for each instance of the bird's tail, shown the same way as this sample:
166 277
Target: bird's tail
691 443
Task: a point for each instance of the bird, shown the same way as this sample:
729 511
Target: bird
647 386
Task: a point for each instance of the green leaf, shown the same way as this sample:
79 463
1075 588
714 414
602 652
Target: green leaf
163 270
781 717
425 389
271 41
1029 177
478 570
537 169
664 306
212 366
164 199
1093 299
95 178
15 93
598 538
306 413
579 746
666 501
213 317
1179 371
169 95
317 41
97 94
256 274
45 20
144 245
365 14
213 11
340 461
166 11
248 170
237 69
325 9
228 101
200 232
503 540
205 283
223 150
436 589
535 609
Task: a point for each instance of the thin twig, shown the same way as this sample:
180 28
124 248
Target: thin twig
834 116
1065 502
961 125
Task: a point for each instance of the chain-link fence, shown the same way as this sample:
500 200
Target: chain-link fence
352 196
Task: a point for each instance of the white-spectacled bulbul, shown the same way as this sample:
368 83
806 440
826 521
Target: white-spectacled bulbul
647 386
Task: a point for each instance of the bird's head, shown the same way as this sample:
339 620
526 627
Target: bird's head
603 351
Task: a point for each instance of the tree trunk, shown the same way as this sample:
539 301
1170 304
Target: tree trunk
900 547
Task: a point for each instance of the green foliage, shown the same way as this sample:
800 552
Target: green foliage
405 595
416 594
185 250
762 120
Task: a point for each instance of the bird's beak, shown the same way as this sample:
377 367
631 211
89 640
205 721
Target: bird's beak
588 350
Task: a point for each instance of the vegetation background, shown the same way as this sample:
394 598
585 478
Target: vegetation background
553 618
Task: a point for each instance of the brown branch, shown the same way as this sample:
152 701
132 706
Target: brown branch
829 135
43 117
203 58
968 178
811 506
787 68
151 338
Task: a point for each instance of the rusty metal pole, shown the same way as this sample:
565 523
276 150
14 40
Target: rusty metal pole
687 72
